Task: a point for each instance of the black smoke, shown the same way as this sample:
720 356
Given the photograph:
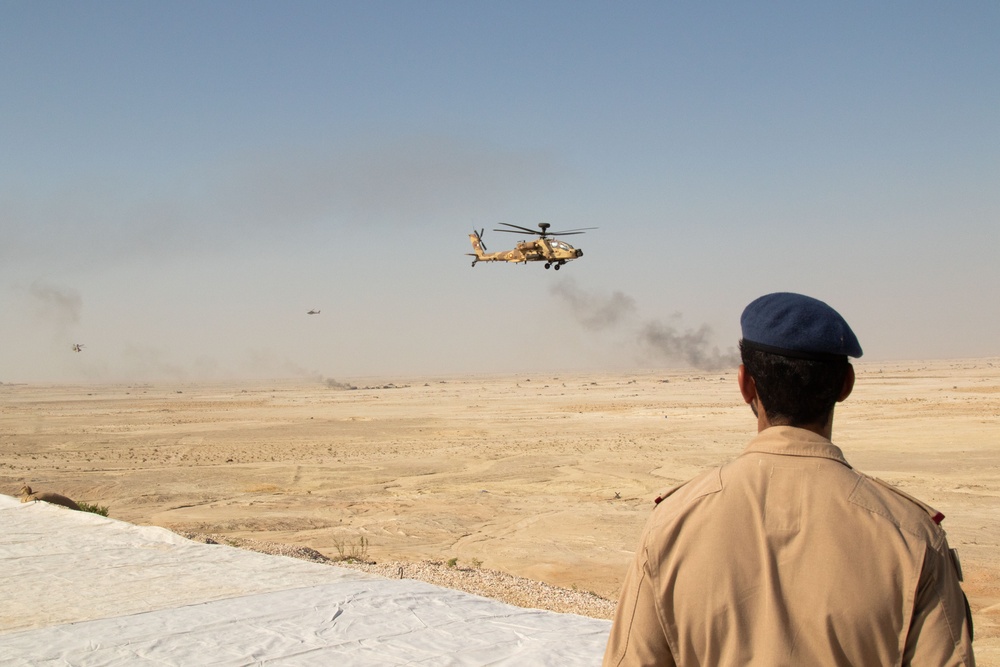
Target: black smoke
691 346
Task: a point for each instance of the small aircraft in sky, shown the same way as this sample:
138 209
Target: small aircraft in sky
546 249
78 347
313 312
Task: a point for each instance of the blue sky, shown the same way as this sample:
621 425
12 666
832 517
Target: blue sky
180 182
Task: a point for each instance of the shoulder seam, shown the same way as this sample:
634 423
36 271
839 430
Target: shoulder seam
714 474
934 531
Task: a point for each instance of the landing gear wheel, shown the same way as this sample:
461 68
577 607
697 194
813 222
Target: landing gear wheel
557 266
547 265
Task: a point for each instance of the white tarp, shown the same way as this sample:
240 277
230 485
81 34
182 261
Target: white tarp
80 589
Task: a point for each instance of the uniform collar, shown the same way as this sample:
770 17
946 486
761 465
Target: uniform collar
792 441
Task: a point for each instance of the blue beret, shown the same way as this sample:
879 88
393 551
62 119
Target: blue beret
794 325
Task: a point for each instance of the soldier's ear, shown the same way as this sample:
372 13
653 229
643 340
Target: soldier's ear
848 387
748 388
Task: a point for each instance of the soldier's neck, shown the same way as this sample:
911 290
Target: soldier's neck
823 428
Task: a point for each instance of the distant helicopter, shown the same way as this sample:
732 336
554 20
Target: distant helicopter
78 347
546 249
313 312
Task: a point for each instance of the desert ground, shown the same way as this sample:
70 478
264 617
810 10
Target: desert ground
546 476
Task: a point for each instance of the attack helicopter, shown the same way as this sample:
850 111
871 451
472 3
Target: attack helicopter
546 249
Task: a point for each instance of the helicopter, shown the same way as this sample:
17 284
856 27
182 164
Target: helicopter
546 249
78 347
313 312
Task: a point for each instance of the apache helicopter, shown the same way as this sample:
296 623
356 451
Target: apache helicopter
78 347
544 249
313 312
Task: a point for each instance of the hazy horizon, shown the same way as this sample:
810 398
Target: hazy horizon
182 182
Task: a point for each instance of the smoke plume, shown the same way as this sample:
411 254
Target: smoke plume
693 346
597 313
333 384
593 312
58 305
55 310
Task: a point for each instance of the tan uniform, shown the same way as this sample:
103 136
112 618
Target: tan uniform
788 556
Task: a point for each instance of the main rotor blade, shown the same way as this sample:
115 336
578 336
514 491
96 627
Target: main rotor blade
581 230
523 229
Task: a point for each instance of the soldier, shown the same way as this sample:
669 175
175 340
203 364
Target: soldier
788 555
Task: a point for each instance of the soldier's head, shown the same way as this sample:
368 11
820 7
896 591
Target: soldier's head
795 351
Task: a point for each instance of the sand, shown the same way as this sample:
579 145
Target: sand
545 476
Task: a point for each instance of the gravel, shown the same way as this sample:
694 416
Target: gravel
476 580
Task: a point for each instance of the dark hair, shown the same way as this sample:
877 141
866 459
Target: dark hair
795 392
